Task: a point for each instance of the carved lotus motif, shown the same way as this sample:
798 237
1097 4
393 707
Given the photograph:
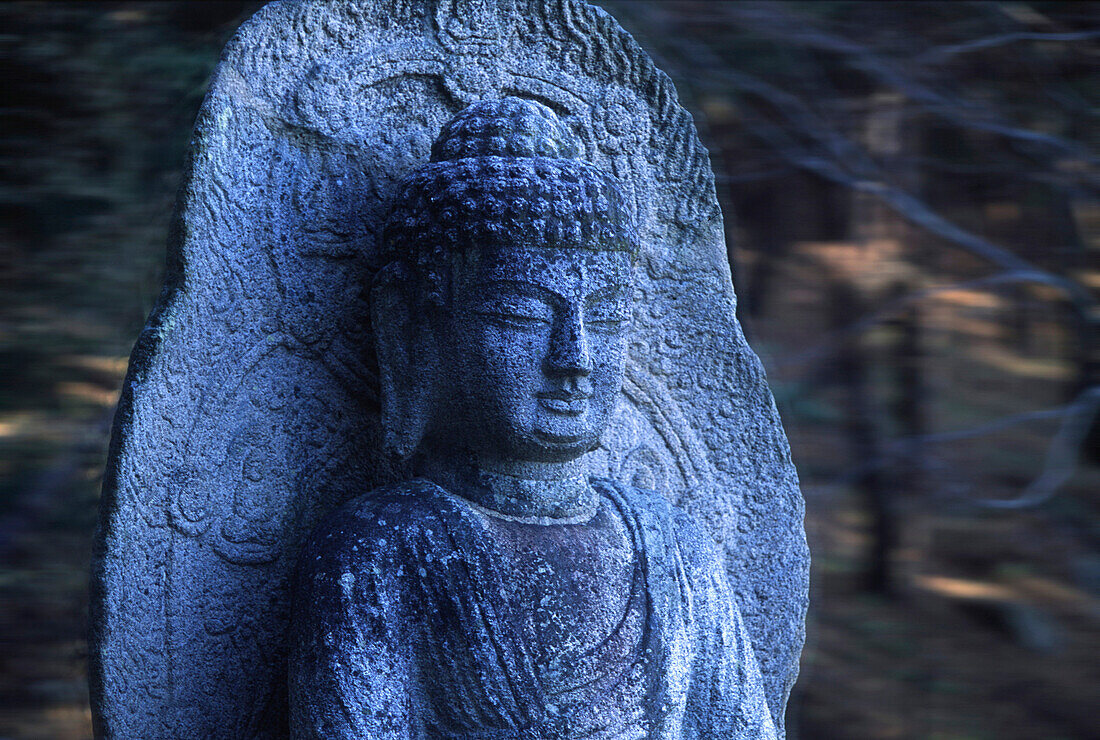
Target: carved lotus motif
620 126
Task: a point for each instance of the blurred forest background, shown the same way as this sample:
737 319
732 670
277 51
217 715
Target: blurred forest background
912 194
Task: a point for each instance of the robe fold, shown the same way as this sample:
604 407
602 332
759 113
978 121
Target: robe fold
405 627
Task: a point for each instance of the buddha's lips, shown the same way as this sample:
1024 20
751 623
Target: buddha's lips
563 402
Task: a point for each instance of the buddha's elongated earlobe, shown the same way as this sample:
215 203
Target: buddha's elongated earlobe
407 359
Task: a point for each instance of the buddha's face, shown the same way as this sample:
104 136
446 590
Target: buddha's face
533 351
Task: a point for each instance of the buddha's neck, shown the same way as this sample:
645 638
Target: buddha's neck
540 493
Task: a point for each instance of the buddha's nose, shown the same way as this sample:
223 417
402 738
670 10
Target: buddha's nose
569 349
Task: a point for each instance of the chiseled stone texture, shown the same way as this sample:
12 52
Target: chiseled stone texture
251 408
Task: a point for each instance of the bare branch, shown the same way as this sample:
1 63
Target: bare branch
870 179
1058 468
773 21
1062 454
941 54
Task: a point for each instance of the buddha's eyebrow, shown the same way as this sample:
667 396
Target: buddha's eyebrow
522 287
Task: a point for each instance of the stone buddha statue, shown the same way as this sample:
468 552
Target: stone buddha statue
501 592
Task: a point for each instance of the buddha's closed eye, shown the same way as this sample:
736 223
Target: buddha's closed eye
516 311
607 317
607 311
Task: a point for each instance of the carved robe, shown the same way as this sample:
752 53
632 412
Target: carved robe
406 626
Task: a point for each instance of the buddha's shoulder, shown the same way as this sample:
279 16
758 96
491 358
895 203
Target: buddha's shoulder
376 522
403 500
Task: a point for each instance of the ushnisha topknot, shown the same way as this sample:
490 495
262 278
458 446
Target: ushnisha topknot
503 173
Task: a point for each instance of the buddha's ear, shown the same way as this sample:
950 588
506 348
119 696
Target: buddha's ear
407 358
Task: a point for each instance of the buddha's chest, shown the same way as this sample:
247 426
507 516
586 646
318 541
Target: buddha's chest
578 588
533 626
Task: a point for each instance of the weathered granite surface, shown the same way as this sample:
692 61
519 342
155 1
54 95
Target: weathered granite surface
251 408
